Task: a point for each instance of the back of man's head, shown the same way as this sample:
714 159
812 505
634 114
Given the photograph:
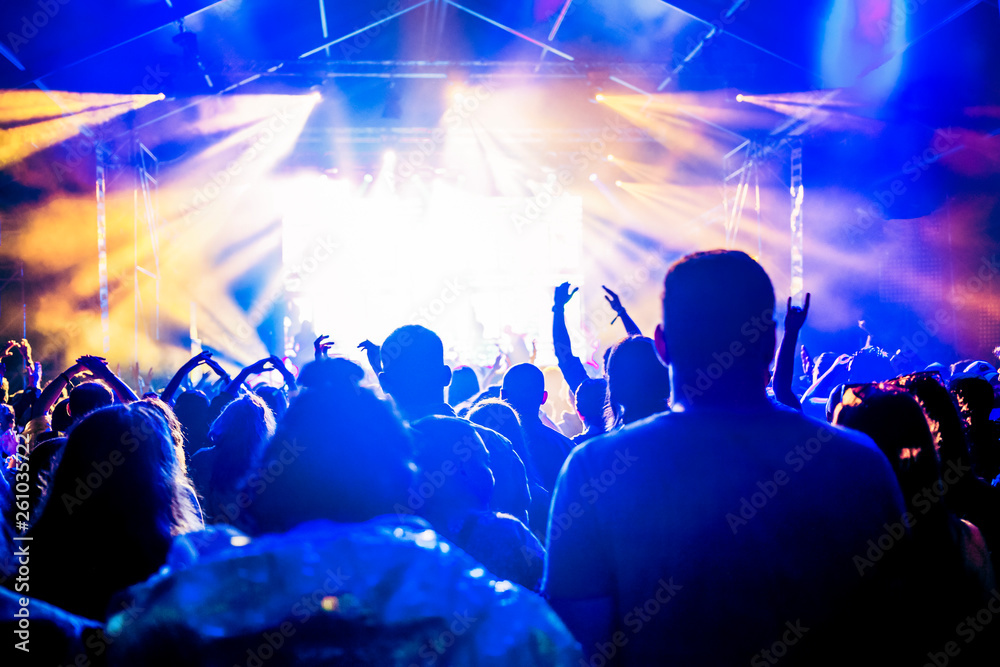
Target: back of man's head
87 397
870 364
413 365
591 397
524 389
441 442
718 308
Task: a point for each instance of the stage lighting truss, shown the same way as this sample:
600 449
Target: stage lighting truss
736 187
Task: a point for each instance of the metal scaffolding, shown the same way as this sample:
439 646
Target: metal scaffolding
145 223
103 160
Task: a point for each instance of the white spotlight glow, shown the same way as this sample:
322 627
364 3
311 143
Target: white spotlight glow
618 183
739 98
593 177
368 178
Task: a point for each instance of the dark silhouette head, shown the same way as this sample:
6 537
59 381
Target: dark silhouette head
591 397
191 408
275 399
332 372
450 448
119 533
897 424
638 383
464 385
497 415
413 368
490 393
718 322
870 364
240 434
6 417
61 421
822 364
524 389
340 453
975 397
87 397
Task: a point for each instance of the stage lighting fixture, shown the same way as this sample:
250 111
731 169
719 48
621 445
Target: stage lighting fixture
611 158
368 178
739 98
593 177
389 155
599 97
618 183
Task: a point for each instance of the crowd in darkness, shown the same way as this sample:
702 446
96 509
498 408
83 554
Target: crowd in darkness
707 495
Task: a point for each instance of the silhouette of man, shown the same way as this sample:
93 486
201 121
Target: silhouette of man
728 530
415 375
524 389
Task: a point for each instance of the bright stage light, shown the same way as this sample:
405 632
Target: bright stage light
611 158
599 97
593 177
369 178
389 156
739 98
428 235
618 183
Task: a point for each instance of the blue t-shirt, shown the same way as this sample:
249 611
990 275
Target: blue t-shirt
716 534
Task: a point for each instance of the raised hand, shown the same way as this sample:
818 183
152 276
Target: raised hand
214 365
258 366
563 294
374 354
26 353
34 374
612 299
321 346
795 317
202 357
